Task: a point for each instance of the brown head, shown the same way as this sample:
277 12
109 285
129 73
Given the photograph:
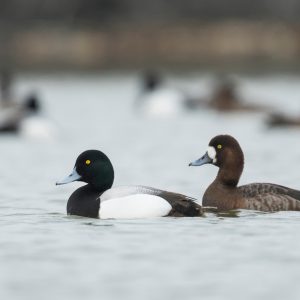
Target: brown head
224 152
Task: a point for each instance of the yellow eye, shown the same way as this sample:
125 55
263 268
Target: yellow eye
219 146
87 162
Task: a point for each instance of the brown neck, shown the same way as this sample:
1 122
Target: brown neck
231 170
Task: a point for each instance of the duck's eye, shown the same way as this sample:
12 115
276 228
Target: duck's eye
87 162
219 146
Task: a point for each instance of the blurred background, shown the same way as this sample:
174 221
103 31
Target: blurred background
149 83
85 35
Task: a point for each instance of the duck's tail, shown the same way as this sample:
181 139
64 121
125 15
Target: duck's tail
182 206
186 209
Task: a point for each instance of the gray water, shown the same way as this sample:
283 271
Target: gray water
45 254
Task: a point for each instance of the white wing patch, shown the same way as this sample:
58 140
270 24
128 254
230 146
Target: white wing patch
134 207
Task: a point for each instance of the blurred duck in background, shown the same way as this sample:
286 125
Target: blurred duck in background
276 120
22 117
33 124
158 100
11 115
225 98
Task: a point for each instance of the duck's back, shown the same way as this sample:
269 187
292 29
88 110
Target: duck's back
269 197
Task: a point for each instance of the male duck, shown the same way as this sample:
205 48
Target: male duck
225 152
25 119
158 100
98 199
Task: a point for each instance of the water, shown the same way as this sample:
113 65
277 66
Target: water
45 254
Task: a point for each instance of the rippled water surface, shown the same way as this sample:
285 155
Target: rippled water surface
45 254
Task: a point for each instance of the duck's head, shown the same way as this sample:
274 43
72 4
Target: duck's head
224 152
151 81
32 103
94 168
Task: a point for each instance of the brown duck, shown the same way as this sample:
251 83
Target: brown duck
279 120
225 98
225 152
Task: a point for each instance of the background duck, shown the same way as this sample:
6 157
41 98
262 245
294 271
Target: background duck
99 199
12 115
33 123
13 112
26 119
159 100
225 98
225 153
280 120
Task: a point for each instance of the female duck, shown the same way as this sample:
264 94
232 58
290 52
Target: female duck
225 152
98 199
280 120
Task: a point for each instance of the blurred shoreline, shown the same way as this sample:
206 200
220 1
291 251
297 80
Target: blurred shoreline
223 44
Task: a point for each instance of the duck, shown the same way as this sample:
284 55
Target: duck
280 120
224 193
33 124
21 116
159 100
13 116
225 98
98 199
26 119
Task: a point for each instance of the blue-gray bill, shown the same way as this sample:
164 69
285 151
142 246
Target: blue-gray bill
205 159
74 176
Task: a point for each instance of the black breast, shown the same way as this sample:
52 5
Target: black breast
84 202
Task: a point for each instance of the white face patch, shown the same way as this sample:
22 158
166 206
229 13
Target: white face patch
212 153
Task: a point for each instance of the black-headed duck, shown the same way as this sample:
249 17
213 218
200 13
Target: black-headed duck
157 99
225 152
12 118
98 199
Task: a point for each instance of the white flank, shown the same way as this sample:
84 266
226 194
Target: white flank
134 207
163 102
211 151
36 127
